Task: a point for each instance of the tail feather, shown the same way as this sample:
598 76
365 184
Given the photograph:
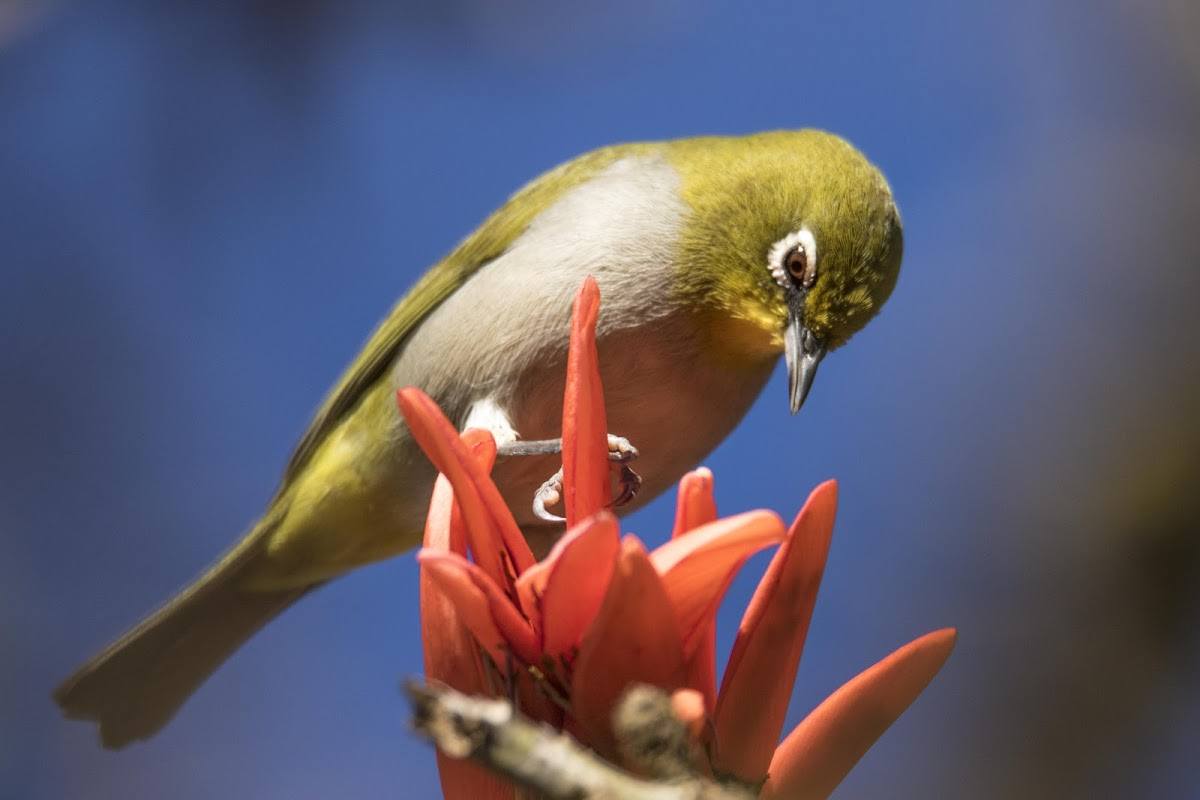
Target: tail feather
137 684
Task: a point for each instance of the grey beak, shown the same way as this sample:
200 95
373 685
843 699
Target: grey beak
803 354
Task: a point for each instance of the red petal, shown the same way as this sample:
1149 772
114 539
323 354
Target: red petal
583 559
762 666
700 667
491 529
822 750
534 702
451 649
634 639
444 529
585 429
455 618
579 577
451 572
695 505
696 569
440 533
530 587
467 606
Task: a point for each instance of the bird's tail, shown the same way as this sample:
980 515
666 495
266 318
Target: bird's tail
134 687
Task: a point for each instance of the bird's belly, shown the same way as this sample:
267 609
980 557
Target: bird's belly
665 389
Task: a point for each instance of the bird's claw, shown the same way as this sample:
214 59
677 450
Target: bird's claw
549 494
631 483
620 453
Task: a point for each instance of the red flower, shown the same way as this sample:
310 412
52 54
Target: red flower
570 633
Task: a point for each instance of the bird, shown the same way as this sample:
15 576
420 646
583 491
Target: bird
715 255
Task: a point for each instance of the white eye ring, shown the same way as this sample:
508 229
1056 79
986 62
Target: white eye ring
802 238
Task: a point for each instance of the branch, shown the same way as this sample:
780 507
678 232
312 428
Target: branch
491 733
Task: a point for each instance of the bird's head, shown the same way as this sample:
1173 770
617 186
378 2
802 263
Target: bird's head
792 239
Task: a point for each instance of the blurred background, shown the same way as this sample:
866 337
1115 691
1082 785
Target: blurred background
205 207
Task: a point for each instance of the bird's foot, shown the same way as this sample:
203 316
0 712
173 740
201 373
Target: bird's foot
549 494
620 453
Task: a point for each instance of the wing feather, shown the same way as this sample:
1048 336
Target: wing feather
488 242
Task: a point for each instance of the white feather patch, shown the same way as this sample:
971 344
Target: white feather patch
622 227
487 414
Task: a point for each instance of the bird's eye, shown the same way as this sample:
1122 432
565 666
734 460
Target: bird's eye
793 260
796 264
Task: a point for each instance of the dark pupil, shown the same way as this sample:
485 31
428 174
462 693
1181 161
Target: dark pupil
796 262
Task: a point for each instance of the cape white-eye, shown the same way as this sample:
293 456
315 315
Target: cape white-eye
714 256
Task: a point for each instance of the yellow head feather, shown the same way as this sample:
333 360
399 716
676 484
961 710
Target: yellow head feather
747 193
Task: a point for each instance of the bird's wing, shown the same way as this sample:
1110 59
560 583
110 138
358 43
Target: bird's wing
490 240
377 354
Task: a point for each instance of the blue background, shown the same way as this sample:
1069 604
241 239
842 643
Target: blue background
205 207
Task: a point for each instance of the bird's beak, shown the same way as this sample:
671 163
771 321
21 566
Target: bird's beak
803 353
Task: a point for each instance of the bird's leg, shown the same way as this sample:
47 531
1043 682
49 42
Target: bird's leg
620 453
537 447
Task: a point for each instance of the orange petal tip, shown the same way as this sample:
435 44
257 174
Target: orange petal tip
825 746
688 707
762 666
584 424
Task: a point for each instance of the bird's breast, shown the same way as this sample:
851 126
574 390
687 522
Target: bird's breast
665 389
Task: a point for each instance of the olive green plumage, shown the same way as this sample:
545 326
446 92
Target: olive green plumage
821 181
691 242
